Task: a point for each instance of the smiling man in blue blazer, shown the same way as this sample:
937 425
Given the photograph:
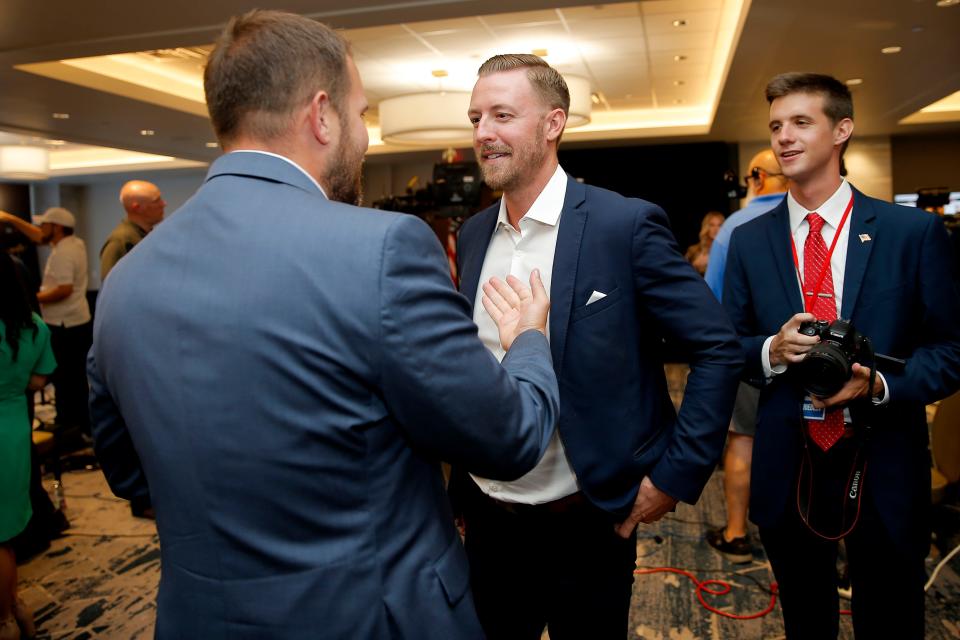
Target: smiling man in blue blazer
545 549
283 372
889 270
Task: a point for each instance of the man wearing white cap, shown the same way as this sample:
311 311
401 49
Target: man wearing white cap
63 304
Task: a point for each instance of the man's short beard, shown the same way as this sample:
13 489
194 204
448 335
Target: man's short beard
500 181
346 183
526 160
345 178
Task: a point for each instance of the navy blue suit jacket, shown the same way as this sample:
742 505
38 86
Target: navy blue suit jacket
285 373
617 421
899 289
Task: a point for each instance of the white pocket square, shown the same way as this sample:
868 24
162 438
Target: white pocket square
596 295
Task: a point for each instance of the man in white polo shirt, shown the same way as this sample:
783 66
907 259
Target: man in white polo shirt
63 304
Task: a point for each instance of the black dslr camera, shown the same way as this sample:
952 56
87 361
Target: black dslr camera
829 364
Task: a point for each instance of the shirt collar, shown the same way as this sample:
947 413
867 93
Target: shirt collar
831 210
287 160
548 205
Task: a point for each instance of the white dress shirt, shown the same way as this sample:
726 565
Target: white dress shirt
517 253
832 213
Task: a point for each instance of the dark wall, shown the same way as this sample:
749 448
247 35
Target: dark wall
15 199
925 161
685 179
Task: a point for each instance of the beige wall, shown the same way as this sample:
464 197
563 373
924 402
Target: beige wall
869 164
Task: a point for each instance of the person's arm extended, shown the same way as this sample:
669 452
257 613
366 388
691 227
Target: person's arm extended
32 231
54 294
446 390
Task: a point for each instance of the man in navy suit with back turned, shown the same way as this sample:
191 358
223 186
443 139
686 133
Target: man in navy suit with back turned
283 372
888 269
558 546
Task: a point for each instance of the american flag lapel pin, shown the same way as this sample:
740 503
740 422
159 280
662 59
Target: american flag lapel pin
864 237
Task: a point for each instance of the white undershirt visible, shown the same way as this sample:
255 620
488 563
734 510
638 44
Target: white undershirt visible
518 253
832 213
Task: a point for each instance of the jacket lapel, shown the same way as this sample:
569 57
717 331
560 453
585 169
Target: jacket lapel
780 238
863 224
472 254
565 261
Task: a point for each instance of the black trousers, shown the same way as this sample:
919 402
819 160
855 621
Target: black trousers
886 580
70 347
561 567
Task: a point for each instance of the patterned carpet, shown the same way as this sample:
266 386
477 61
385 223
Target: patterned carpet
100 580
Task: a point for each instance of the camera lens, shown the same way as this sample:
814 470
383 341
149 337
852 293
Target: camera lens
824 370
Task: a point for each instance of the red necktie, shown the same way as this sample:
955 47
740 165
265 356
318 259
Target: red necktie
824 432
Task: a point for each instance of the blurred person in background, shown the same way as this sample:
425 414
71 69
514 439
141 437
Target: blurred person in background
698 254
145 206
766 186
26 359
63 304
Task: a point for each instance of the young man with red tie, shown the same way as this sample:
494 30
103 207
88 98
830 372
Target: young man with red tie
852 463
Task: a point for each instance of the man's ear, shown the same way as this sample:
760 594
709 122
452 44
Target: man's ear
321 116
554 123
842 131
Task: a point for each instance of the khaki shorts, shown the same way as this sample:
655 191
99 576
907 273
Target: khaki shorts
745 410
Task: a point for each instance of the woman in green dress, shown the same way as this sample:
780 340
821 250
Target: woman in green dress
25 361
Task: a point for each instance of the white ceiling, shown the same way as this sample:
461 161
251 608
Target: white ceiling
627 51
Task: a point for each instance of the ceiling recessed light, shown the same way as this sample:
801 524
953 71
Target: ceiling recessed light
212 145
60 116
889 50
852 82
679 23
147 132
678 83
439 73
947 3
679 58
540 52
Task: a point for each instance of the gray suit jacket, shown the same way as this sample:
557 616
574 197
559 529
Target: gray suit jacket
285 372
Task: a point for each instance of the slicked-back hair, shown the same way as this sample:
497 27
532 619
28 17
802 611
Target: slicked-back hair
837 101
546 81
267 64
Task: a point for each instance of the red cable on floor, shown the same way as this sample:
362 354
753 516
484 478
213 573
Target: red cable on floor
724 589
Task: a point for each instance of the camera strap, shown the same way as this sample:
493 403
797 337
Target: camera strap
810 297
822 478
